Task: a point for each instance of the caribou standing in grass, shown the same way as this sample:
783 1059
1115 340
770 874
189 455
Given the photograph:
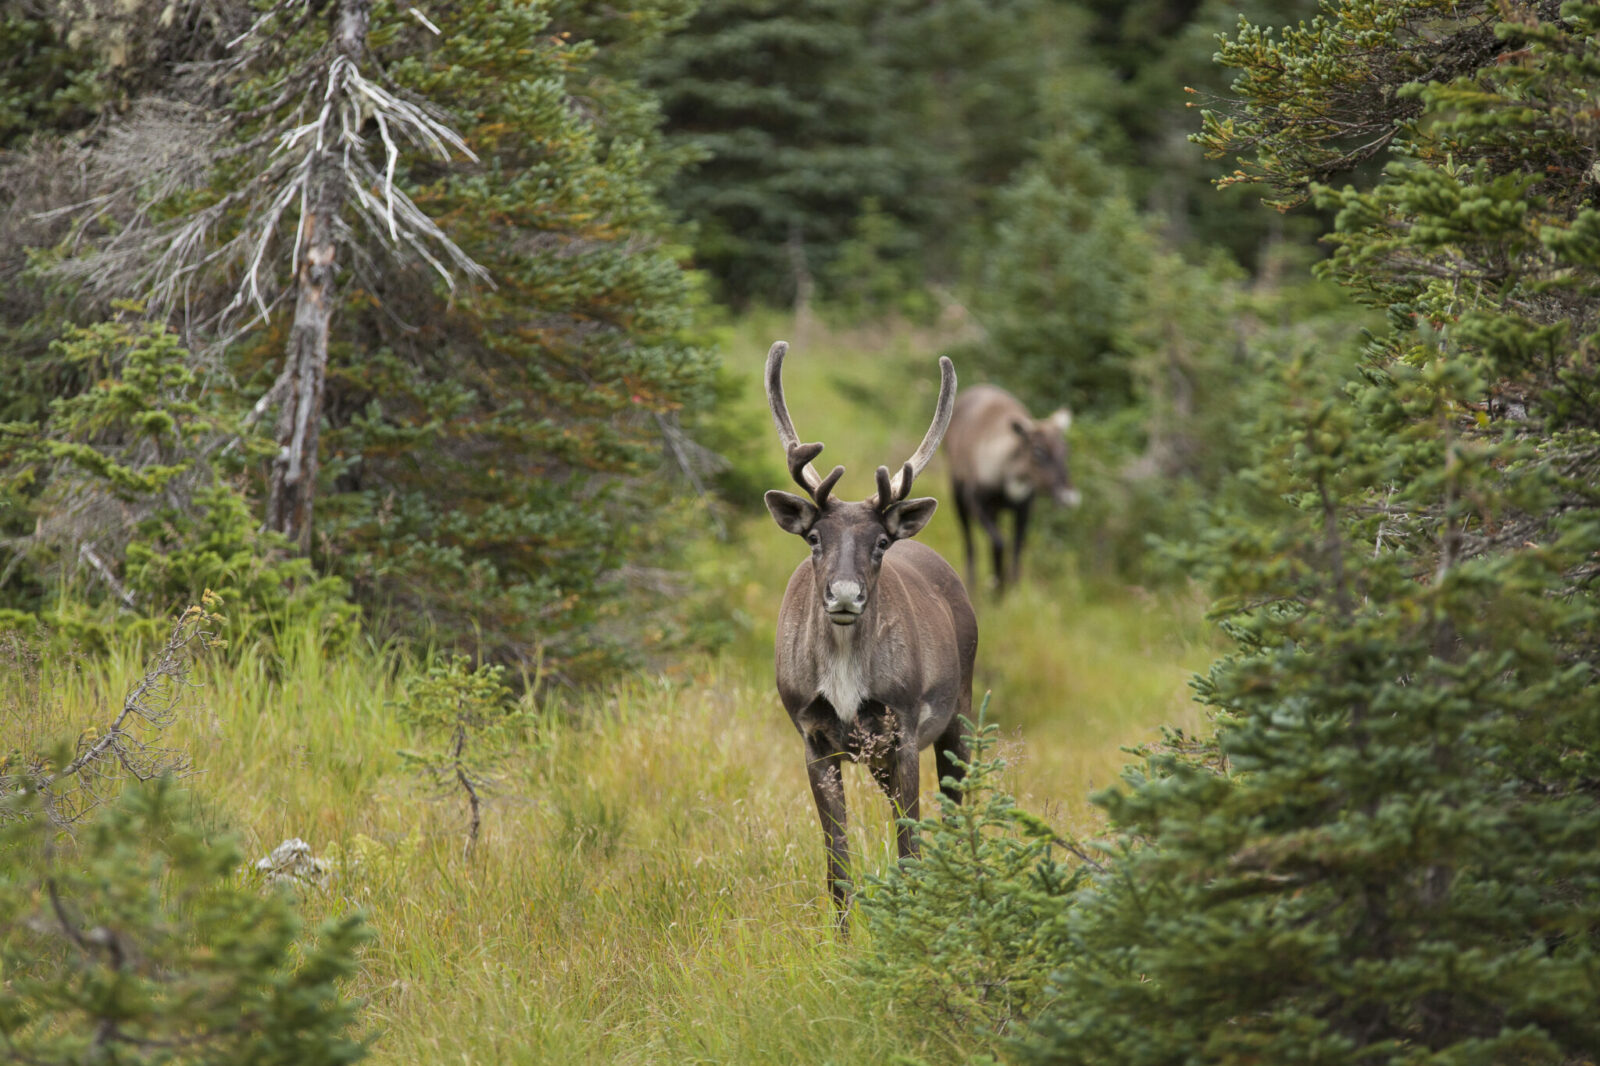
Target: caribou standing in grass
876 635
1000 456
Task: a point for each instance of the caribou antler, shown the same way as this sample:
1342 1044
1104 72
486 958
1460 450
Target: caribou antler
900 487
799 455
886 494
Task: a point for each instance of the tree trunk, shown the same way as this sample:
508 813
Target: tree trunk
291 489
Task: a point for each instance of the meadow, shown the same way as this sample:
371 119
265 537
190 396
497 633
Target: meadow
648 883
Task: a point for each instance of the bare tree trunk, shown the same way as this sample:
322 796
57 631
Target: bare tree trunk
291 489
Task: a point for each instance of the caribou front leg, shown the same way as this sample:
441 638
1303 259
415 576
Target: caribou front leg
895 768
827 789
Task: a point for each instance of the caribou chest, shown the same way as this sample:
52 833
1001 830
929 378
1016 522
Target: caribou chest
843 675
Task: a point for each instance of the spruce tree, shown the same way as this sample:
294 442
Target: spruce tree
1387 852
786 106
137 943
499 458
483 456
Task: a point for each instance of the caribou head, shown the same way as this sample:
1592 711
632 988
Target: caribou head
848 540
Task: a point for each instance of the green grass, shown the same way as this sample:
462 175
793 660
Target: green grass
649 883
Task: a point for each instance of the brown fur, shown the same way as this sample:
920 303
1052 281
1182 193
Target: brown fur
1000 457
876 637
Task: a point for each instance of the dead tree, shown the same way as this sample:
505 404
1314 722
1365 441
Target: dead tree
322 152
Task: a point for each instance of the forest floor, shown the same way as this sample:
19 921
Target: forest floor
648 885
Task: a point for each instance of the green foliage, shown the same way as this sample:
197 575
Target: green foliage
973 87
1060 281
137 943
875 272
1086 305
494 463
1386 852
44 82
805 116
784 105
467 714
126 497
958 933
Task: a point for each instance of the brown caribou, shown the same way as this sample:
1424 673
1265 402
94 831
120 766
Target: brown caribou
999 457
876 636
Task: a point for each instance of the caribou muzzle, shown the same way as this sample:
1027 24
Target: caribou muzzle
844 602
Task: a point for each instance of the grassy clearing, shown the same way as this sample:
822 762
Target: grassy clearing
1077 672
649 883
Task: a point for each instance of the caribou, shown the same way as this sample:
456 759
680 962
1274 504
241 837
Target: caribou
1000 456
876 636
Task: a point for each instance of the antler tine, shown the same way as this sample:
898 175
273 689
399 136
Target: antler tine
821 495
885 495
900 487
799 456
803 472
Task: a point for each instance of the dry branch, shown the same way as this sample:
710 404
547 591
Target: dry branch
128 745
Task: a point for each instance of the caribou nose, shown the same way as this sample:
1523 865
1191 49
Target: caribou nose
844 602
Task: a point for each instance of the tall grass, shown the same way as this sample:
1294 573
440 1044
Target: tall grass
648 886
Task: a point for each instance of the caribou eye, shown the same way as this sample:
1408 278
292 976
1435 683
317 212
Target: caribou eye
814 539
883 542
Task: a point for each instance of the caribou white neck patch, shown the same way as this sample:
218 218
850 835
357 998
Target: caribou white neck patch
843 680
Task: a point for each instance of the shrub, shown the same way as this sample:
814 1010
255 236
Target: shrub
138 943
131 505
959 935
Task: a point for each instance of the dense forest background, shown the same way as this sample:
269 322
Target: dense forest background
404 355
409 312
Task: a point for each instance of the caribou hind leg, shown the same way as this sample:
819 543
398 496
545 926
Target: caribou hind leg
1019 529
952 742
988 517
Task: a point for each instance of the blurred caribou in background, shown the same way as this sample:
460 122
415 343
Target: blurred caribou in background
1000 456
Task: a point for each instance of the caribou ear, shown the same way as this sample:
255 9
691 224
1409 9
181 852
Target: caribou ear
1061 421
792 513
1020 428
906 518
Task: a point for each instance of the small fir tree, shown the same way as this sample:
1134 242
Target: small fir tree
128 498
139 943
468 717
955 932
